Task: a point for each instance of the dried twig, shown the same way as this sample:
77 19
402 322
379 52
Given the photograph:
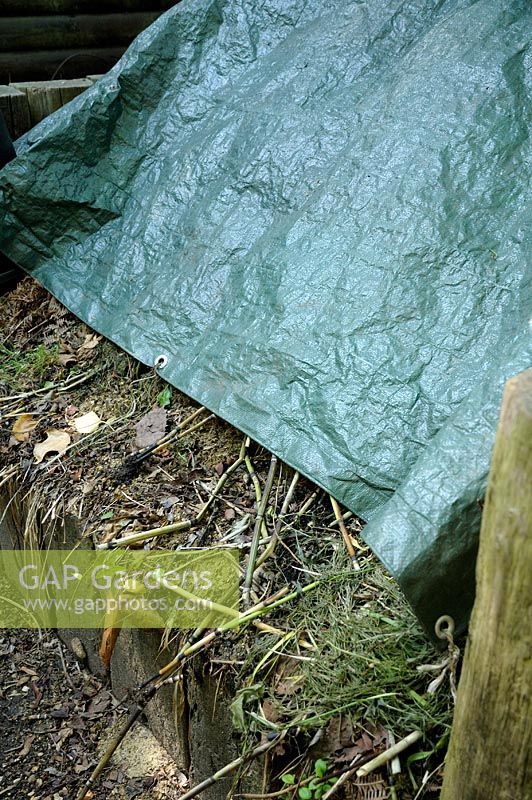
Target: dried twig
279 523
259 522
59 387
195 427
389 754
308 502
345 534
253 753
142 536
223 479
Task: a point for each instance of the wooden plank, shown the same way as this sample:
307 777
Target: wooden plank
94 78
48 64
19 8
83 30
15 108
45 97
70 89
5 106
490 752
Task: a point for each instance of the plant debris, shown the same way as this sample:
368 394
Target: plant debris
342 671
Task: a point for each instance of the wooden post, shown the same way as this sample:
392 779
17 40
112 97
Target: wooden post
490 752
43 98
16 111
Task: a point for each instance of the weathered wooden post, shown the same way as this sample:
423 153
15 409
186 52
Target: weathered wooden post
490 753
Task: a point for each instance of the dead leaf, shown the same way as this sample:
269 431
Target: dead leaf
29 671
66 358
150 428
270 711
28 741
23 426
109 637
87 423
55 442
90 342
339 733
98 704
60 713
288 679
36 693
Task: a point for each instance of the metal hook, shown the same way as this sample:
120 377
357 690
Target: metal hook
444 627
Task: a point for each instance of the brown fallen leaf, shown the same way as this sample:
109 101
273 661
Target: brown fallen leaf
98 705
87 423
36 693
29 671
28 741
23 426
66 358
150 428
107 645
270 711
91 341
55 442
288 679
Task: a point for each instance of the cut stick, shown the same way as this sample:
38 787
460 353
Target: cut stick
345 533
389 754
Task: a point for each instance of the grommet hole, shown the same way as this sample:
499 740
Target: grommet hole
160 362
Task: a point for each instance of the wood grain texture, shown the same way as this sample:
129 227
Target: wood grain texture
19 8
490 753
82 30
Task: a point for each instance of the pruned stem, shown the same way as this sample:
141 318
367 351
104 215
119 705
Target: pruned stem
279 523
345 534
223 479
125 541
389 754
258 528
308 502
253 753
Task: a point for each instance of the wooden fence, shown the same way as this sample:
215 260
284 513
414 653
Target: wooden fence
47 39
25 104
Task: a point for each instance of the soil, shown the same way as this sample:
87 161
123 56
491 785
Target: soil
56 717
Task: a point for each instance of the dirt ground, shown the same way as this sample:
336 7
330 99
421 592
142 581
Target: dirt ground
55 718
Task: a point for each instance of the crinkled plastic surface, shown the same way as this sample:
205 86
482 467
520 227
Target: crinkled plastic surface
319 211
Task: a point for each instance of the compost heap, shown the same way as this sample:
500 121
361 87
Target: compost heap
316 212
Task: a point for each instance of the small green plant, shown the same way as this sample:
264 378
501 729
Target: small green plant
164 398
26 367
314 787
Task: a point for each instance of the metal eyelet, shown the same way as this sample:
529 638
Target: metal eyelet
160 362
444 627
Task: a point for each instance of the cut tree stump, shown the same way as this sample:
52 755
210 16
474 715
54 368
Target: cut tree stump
490 752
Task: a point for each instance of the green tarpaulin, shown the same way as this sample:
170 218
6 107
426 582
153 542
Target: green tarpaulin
319 212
